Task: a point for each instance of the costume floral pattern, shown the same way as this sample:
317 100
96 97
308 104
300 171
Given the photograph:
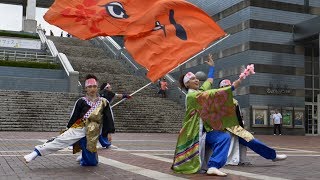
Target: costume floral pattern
214 108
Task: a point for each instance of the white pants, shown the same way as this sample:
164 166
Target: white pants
234 152
69 137
237 152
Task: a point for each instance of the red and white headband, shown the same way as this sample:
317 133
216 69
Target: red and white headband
187 77
225 82
91 82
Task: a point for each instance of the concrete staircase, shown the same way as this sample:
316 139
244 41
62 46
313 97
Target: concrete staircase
35 111
145 112
50 111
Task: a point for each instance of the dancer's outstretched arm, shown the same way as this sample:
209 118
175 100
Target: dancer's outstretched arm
210 62
247 72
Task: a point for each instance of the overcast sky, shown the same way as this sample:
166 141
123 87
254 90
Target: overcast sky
11 19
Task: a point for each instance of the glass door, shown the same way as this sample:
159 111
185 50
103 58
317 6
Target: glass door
311 119
312 86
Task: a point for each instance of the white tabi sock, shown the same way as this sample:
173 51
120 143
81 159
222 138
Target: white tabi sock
79 158
31 156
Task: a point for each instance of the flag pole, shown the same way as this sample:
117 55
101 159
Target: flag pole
131 95
225 37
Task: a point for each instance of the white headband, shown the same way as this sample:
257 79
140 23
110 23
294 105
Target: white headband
187 77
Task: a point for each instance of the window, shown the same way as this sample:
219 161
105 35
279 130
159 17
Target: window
308 81
260 117
316 68
308 95
287 116
298 118
315 94
308 67
316 82
271 112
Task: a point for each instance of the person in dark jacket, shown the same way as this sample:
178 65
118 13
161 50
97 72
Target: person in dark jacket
106 92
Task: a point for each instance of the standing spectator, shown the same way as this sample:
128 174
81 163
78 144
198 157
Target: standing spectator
51 33
163 88
61 35
277 122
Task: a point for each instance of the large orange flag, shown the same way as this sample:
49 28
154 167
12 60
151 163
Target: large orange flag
159 34
86 19
180 32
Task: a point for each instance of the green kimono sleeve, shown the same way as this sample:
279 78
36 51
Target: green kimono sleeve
186 159
206 86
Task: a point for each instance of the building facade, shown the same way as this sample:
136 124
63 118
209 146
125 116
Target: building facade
267 34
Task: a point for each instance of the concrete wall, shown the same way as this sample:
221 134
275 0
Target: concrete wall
32 79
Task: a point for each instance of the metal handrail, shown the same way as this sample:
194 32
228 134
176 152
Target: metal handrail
128 60
23 52
66 65
114 43
111 45
71 73
53 50
26 55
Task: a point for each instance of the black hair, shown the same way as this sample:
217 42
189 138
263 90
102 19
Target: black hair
103 85
89 76
220 82
181 82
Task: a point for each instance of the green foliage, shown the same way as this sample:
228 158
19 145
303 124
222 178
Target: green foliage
18 34
30 64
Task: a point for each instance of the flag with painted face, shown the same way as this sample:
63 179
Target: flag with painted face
86 19
159 34
180 32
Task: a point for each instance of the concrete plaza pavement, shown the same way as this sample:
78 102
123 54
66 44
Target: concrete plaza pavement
149 156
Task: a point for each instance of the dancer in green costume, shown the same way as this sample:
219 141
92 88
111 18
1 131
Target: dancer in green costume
208 112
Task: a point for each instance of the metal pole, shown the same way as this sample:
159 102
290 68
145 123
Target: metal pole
131 94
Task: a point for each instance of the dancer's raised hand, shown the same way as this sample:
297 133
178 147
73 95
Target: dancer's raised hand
210 60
